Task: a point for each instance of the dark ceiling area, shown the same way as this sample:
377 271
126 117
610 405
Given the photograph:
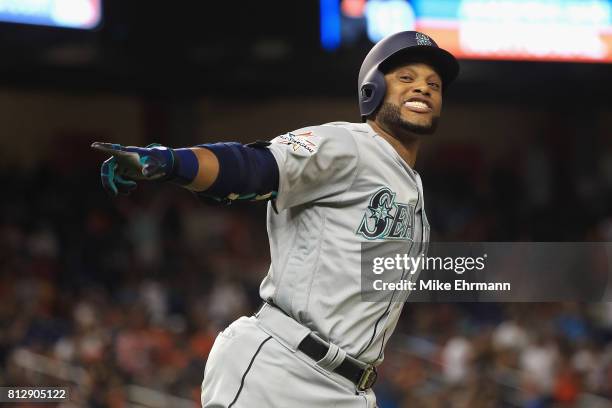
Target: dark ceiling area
245 49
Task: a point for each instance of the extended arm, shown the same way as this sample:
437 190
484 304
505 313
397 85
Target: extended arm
221 171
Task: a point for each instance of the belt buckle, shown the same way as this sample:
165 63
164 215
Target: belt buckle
368 378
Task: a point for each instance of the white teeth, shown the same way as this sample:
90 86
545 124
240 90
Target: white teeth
416 104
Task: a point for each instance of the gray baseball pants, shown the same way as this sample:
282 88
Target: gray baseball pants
255 363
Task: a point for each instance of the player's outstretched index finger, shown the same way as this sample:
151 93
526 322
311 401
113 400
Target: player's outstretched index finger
110 148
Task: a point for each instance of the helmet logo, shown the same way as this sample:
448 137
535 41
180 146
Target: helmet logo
422 39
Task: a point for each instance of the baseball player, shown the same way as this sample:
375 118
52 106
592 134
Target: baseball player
330 188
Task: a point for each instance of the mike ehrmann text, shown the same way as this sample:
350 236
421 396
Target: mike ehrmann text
437 285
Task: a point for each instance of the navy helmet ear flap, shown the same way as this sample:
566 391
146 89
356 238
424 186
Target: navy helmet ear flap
371 93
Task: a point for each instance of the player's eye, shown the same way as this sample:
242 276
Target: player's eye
434 85
406 78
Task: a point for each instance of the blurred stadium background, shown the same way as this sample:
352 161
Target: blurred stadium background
121 299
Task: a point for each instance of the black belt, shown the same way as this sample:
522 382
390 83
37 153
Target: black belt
362 378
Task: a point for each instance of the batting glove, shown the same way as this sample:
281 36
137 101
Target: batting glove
130 164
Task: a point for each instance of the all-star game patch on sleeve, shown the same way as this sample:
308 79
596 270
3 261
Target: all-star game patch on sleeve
315 164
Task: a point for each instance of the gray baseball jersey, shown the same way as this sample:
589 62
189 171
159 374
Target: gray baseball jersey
340 185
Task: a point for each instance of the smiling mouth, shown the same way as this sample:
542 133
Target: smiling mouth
417 106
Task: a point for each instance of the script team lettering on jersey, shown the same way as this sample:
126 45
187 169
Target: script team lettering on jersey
387 219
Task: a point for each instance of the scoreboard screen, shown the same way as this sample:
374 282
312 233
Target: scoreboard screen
537 30
79 14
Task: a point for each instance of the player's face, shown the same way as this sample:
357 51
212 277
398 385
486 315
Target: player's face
413 100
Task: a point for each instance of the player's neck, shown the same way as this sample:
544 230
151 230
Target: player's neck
406 147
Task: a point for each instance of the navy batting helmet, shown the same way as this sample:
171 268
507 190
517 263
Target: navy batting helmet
408 45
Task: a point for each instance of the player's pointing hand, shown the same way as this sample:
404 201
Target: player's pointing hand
129 164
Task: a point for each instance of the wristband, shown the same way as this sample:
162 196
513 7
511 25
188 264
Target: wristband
186 167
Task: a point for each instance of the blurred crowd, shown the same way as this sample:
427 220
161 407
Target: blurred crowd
533 355
134 290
